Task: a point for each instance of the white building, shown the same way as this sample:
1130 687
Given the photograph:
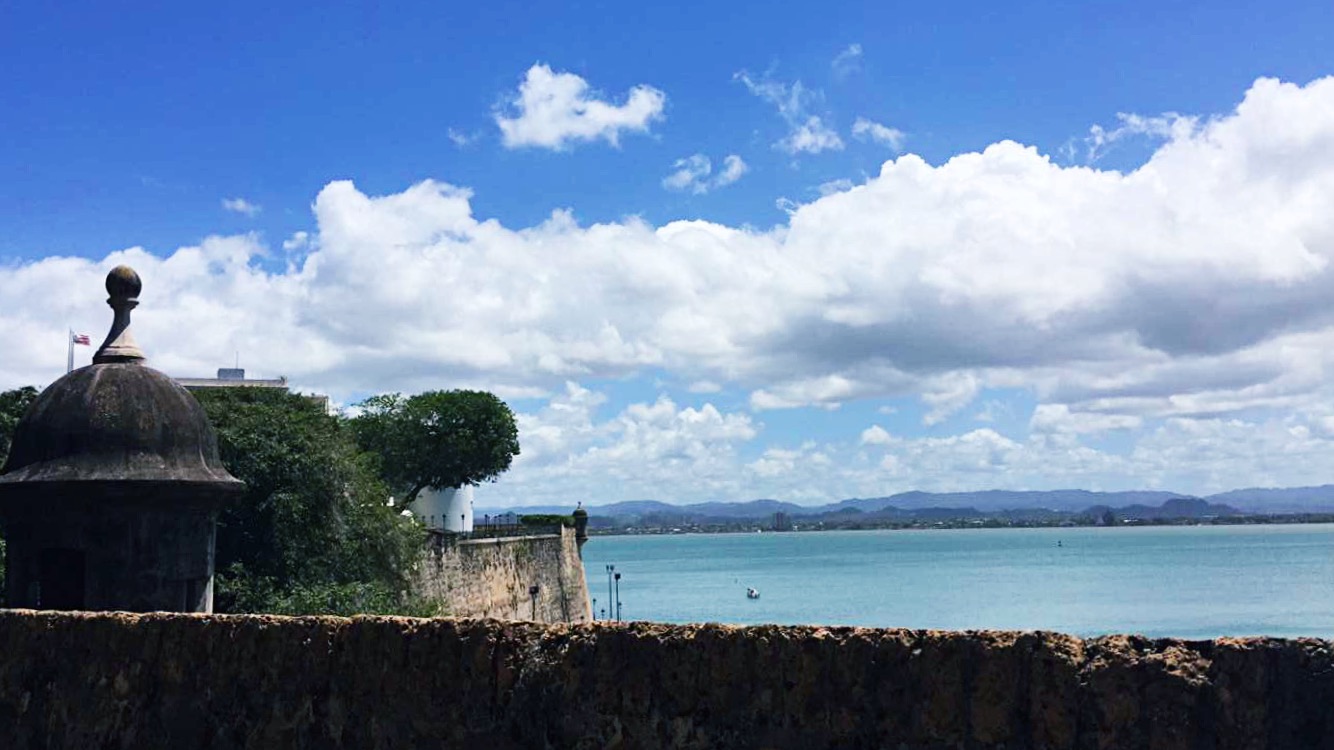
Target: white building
449 510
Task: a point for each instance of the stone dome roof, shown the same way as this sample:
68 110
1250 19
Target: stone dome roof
116 421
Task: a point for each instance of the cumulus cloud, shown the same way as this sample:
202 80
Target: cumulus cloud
553 110
691 174
643 448
948 393
869 130
1057 418
877 435
811 137
808 133
1192 290
657 448
777 462
241 206
695 174
1201 276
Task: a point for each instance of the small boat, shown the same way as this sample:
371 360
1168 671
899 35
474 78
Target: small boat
752 594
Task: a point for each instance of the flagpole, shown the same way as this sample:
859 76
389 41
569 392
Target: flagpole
69 361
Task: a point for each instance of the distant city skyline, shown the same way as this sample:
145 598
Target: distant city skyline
709 252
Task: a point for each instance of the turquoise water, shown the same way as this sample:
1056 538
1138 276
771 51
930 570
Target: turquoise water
1179 581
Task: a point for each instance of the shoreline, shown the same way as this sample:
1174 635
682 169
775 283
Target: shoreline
754 526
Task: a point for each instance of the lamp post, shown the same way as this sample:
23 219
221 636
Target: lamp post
595 608
532 592
618 597
611 600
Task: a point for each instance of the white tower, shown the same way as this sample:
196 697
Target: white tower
449 509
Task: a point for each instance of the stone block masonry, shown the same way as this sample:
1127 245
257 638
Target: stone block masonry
494 577
218 682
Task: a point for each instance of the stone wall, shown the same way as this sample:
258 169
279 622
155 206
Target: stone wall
492 577
214 682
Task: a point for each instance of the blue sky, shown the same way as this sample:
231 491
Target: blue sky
711 251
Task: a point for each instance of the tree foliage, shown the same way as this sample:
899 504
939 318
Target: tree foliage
12 406
437 439
547 519
313 532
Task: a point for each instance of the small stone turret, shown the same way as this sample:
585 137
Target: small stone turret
580 527
110 493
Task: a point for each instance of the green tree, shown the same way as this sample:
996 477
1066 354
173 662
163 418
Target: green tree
12 406
313 532
546 519
437 439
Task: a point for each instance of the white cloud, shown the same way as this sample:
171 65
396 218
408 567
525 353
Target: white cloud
848 61
811 137
873 131
808 133
564 424
1191 291
695 174
462 139
553 110
841 185
782 462
298 241
1196 284
733 169
646 447
1057 418
948 393
827 391
654 450
691 174
241 206
877 435
1165 126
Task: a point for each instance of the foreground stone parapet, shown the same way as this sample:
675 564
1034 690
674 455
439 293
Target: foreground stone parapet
210 681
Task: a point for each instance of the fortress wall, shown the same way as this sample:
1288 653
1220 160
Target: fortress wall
215 681
491 577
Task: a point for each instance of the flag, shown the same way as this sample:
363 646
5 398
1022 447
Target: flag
80 339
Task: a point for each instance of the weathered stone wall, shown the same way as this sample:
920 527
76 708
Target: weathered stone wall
491 577
214 682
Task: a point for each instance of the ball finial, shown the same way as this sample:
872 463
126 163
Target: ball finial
123 287
123 283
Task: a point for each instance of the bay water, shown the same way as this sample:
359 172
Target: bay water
1162 581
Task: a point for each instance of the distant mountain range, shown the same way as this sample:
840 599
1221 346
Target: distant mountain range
1011 504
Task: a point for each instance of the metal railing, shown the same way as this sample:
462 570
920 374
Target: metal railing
487 530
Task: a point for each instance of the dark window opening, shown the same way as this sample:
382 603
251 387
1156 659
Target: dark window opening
195 591
61 579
